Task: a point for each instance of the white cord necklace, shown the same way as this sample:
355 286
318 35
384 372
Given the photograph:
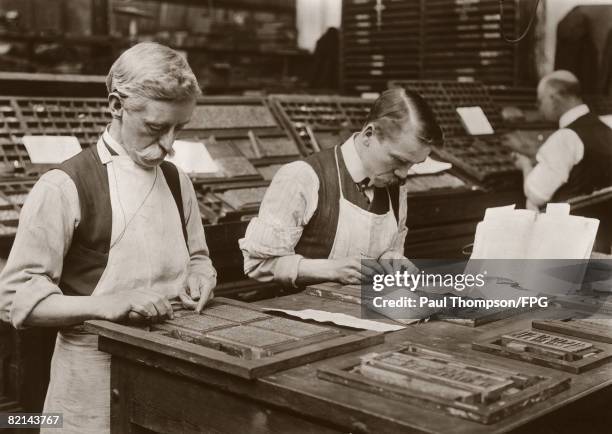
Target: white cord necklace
125 225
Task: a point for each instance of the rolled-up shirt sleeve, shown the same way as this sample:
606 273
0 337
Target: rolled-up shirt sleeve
269 244
555 160
46 225
199 255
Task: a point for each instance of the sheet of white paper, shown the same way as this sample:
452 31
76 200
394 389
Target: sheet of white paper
503 234
558 209
51 149
340 319
498 210
428 167
525 235
576 242
475 121
193 157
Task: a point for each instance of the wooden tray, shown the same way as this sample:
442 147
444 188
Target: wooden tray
446 382
553 350
237 338
581 328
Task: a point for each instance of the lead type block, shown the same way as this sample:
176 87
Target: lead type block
599 330
239 339
551 350
442 381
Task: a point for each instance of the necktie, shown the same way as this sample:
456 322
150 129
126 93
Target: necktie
363 184
380 201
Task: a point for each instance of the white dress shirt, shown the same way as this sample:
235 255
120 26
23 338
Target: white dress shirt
354 165
555 160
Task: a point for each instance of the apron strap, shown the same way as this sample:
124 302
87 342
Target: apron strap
171 175
338 172
391 205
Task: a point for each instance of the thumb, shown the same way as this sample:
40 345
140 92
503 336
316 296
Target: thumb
188 303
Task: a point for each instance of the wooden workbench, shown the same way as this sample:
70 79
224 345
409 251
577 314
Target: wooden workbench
160 392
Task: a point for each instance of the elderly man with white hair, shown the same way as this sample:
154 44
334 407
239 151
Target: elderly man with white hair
577 158
114 233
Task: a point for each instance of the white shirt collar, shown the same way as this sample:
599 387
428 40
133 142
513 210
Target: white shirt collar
115 145
352 160
572 114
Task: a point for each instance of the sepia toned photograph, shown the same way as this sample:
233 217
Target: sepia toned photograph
305 216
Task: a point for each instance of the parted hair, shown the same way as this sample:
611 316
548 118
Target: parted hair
397 110
152 71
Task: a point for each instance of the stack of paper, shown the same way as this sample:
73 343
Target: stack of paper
546 252
508 233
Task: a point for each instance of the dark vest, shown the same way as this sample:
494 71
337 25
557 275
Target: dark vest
594 171
318 235
87 256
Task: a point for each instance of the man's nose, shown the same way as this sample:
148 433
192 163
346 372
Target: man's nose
167 140
403 171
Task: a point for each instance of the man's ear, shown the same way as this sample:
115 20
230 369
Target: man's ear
115 105
368 131
557 99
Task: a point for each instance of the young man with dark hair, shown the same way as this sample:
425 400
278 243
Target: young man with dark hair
321 216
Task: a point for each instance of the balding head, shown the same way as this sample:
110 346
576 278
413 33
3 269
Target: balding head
558 92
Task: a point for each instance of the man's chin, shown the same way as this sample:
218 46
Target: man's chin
148 163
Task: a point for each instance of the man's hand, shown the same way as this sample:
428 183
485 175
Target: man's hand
135 304
393 262
349 271
522 162
198 291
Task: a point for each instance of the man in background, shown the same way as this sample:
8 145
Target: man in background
577 158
